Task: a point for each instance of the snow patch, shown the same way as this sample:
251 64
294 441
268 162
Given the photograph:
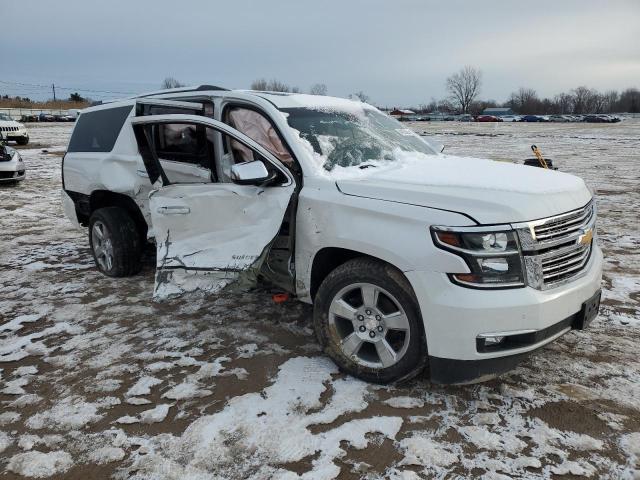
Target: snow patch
421 450
40 465
71 413
143 386
106 455
5 441
242 434
404 402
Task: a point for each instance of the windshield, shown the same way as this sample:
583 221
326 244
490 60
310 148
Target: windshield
5 118
354 138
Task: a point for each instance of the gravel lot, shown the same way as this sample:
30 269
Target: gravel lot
97 380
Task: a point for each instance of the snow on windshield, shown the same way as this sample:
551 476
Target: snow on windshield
360 135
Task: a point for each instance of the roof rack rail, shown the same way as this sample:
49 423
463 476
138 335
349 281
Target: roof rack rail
195 88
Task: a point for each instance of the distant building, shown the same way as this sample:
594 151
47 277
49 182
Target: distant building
498 111
396 112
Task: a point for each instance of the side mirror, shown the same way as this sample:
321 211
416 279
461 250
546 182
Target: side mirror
249 173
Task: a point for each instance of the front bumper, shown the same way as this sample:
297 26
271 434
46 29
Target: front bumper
12 171
455 317
16 134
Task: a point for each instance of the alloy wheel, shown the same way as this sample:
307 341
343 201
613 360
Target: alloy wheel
370 325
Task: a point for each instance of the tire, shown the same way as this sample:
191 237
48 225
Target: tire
337 333
22 140
115 242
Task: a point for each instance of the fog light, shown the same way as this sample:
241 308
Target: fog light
493 265
489 341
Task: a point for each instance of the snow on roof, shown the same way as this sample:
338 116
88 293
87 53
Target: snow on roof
321 102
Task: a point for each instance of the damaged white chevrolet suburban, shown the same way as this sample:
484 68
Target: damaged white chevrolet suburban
410 257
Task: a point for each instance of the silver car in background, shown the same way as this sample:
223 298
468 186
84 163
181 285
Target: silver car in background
12 168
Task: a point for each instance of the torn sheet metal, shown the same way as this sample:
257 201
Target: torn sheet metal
210 236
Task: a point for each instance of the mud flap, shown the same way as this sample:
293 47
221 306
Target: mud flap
211 237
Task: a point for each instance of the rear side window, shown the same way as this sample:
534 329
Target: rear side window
98 131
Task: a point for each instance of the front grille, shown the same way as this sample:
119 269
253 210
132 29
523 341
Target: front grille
559 265
557 249
9 129
563 226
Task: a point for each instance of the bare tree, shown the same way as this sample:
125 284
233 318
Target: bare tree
564 103
363 97
273 85
464 87
278 86
260 84
318 89
171 82
611 99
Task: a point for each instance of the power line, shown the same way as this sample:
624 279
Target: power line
47 87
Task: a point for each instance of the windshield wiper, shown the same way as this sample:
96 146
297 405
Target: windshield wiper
366 165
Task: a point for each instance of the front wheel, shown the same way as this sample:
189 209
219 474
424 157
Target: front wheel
368 321
115 242
22 140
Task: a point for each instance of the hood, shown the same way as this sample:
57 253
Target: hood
9 123
490 192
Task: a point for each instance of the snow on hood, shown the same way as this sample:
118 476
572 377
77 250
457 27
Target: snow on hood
489 191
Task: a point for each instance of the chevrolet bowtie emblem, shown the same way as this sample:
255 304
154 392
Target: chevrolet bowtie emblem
586 237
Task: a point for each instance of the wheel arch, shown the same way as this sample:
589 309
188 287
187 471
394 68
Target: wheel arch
328 259
105 198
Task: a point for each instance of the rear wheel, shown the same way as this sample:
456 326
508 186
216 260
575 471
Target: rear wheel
368 321
115 242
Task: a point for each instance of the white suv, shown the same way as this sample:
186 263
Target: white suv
410 257
12 130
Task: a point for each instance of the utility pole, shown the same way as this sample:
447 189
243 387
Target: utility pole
53 86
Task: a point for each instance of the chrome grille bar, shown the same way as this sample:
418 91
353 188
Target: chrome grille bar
557 249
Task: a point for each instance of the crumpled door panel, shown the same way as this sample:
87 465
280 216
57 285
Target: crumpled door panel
209 236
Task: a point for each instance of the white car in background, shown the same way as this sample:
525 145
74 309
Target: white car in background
12 167
510 118
12 130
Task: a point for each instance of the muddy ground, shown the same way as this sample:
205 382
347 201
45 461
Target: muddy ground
99 381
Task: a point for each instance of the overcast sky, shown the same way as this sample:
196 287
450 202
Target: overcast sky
397 51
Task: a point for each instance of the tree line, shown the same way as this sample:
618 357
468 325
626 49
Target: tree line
464 86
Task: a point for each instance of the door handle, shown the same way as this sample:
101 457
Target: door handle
142 173
174 210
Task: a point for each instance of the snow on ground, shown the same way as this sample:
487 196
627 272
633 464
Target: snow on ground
98 379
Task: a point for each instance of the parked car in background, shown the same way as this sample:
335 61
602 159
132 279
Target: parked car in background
611 118
46 117
488 118
534 118
460 264
64 118
510 118
558 118
12 167
464 117
29 117
12 130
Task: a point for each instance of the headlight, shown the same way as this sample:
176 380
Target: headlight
493 257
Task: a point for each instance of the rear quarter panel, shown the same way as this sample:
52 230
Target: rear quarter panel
120 171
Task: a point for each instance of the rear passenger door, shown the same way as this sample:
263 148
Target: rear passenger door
210 234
